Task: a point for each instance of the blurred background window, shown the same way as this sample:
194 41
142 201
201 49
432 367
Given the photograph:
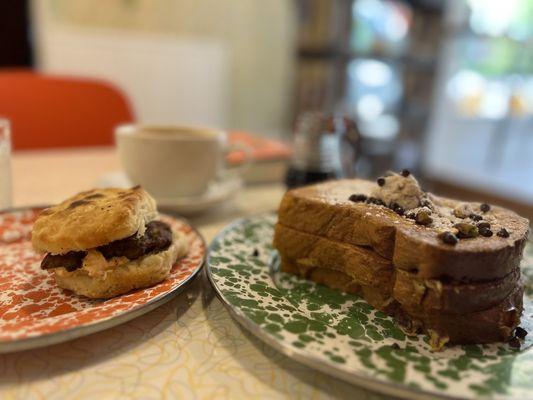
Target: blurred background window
444 88
376 61
480 136
380 26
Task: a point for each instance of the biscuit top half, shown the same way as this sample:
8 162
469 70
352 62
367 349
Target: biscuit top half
93 218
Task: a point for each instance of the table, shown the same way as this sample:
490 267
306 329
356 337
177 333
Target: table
188 348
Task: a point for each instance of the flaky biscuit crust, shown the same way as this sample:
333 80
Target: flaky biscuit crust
93 218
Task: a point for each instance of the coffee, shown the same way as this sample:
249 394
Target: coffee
172 161
181 133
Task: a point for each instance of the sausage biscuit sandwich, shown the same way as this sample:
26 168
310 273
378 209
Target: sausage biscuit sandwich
105 242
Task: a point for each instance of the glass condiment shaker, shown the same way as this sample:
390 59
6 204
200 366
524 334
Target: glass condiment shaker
318 141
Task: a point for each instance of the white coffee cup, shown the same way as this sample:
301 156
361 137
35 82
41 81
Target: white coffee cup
174 161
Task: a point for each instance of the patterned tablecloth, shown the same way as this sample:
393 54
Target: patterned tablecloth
187 348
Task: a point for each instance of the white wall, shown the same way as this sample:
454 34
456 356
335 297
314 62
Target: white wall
217 62
167 79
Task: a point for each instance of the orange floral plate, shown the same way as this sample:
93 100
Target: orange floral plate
34 312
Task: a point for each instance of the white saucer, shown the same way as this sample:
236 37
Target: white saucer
217 193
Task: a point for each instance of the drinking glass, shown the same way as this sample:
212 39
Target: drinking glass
5 164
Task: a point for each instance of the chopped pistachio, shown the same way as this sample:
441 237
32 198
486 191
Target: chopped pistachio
466 230
436 341
423 217
463 210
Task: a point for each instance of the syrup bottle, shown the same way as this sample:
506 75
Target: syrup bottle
318 141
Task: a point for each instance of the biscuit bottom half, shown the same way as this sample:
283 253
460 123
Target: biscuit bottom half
135 274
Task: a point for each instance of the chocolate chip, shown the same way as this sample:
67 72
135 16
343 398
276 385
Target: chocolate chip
486 232
255 253
483 225
475 217
373 200
405 173
381 181
515 343
448 238
423 218
503 233
395 346
466 230
357 198
398 209
411 215
484 207
520 332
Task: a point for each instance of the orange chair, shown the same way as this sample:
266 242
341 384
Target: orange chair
55 111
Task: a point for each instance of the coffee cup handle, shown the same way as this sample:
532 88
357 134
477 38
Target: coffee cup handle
238 169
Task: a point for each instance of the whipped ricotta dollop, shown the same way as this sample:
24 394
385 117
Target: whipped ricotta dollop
402 194
402 190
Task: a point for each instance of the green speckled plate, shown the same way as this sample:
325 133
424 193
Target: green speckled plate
342 335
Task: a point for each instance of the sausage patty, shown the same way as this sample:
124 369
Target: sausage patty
156 238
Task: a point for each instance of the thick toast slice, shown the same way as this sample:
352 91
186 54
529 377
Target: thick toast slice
493 324
311 251
325 210
496 324
429 296
363 267
335 279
